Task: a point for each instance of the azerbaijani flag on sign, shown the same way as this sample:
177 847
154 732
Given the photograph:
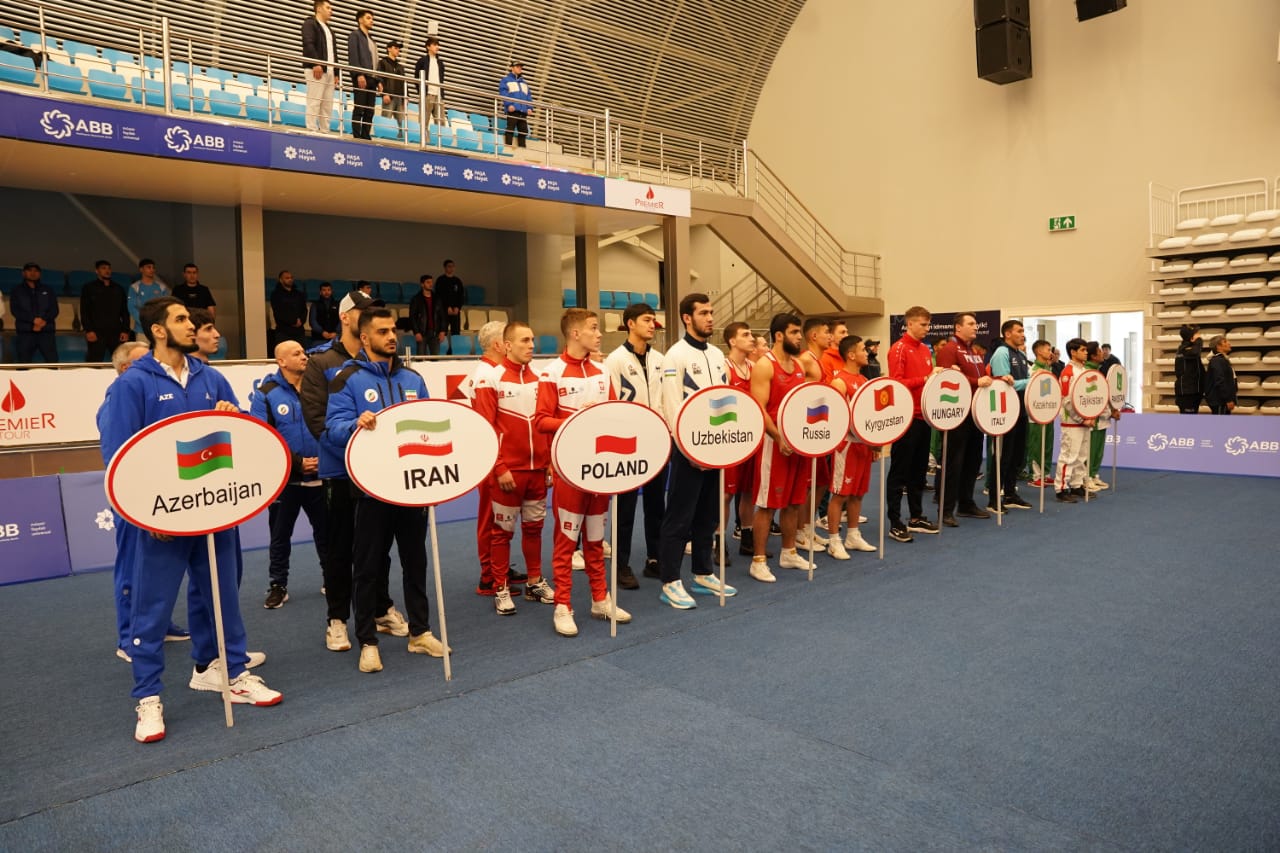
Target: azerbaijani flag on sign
953 397
723 410
884 397
431 439
204 455
813 415
615 444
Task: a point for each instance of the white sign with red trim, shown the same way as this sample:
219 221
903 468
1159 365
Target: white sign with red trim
611 448
945 399
996 408
1042 397
813 418
1090 394
1118 379
648 198
197 473
719 427
882 411
422 453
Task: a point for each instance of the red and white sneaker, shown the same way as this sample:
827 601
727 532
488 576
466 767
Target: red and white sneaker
150 727
250 689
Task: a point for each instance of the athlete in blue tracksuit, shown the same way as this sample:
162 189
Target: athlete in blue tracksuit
166 382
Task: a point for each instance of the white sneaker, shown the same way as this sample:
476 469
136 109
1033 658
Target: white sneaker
836 551
502 602
1100 483
803 537
250 689
392 622
862 519
256 659
819 541
124 656
335 636
370 659
674 594
211 679
760 571
792 559
578 562
822 522
1091 486
600 610
150 727
688 547
608 549
855 542
562 619
710 585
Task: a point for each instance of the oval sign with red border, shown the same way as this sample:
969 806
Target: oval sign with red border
611 448
996 408
882 411
813 418
1042 397
719 427
422 453
197 473
1118 380
1090 394
945 399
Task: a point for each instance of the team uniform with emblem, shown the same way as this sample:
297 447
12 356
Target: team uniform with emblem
851 462
964 445
739 478
781 480
1073 455
484 520
638 379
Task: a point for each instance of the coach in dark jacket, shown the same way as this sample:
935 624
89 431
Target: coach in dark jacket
104 315
426 317
1220 384
362 52
1188 371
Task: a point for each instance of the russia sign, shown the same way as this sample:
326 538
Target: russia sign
813 418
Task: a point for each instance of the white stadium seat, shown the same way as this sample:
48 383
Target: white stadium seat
1213 238
1244 235
1263 215
1216 285
1174 242
1192 224
1216 262
1226 219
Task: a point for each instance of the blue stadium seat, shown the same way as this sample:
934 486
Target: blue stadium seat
122 279
257 108
226 104
619 299
153 65
651 299
413 132
460 345
634 298
57 279
342 286
570 298
71 348
219 74
480 122
476 295
466 139
450 115
33 40
222 350
151 90
10 277
292 113
182 98
182 69
489 143
385 127
252 80
78 48
442 136
64 78
406 343
546 345
7 34
77 279
17 69
606 299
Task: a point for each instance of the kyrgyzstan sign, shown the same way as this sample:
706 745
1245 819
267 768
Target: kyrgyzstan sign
197 473
719 427
945 399
422 453
1090 394
1042 397
996 408
1118 379
882 411
611 448
813 418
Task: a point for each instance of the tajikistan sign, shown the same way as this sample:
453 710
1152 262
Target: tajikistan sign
611 448
719 427
882 411
813 418
945 399
1090 394
197 473
422 453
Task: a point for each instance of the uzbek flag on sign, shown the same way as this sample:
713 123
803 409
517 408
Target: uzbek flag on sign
204 455
723 410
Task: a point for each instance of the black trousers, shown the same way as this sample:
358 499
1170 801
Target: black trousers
29 343
1188 405
908 465
101 349
518 124
282 515
964 458
362 112
1012 455
340 503
377 525
692 515
655 501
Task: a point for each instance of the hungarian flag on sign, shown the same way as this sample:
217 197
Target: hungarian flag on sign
884 397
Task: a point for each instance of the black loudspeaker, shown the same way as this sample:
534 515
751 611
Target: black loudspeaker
1004 52
1086 9
987 12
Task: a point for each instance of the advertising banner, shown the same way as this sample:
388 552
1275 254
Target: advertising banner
1207 444
942 326
647 198
33 541
45 406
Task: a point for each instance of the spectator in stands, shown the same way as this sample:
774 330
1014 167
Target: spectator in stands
192 293
35 308
1188 371
452 295
318 44
1057 365
1220 380
324 315
389 72
426 317
207 334
430 73
365 287
104 314
289 307
146 288
871 369
362 52
1108 360
517 103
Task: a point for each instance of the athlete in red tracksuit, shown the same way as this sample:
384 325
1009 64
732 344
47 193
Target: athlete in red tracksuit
484 520
571 383
851 463
507 397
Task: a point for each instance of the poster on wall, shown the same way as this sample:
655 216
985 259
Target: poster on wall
943 326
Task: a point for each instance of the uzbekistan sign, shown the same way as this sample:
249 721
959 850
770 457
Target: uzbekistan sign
422 453
719 427
945 399
197 473
996 408
1042 397
882 411
611 448
813 418
1090 394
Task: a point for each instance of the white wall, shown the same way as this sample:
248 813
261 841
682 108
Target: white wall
874 115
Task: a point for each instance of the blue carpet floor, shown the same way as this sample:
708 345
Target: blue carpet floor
1102 677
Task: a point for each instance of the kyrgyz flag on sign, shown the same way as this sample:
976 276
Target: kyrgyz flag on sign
723 410
884 397
204 455
615 444
425 438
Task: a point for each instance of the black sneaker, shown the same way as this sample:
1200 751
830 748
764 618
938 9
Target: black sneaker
1016 502
774 529
1078 491
1066 497
899 532
973 511
626 579
949 520
276 596
737 531
922 525
514 577
651 569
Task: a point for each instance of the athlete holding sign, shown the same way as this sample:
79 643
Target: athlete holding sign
851 463
1073 458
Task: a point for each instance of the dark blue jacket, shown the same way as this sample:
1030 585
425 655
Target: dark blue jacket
323 363
276 403
363 386
144 394
27 303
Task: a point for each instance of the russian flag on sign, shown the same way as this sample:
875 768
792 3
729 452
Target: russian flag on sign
814 414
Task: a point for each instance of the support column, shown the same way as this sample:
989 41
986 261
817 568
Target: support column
253 264
586 270
542 272
675 268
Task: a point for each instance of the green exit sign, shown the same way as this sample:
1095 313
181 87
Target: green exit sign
1062 223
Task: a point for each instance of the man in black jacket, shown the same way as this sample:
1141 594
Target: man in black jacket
452 295
35 309
1220 384
871 369
318 45
362 52
389 72
289 307
426 317
324 315
104 315
1188 371
430 73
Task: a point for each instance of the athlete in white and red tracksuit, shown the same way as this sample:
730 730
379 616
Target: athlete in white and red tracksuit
1073 458
571 383
507 397
484 520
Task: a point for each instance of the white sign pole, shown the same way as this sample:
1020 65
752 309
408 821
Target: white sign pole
813 509
1044 433
999 495
1115 448
723 521
215 591
613 565
882 499
435 564
941 488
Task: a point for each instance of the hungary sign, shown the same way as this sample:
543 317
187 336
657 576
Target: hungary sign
881 411
1042 397
813 418
197 473
719 427
611 448
945 399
